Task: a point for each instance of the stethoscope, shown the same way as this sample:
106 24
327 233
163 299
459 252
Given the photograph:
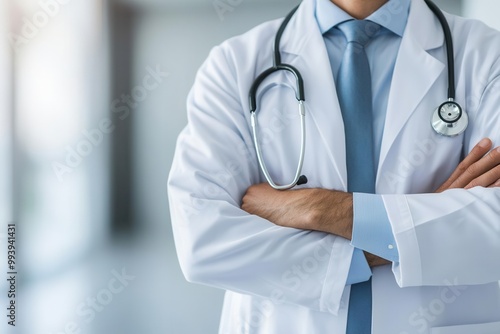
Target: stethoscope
449 119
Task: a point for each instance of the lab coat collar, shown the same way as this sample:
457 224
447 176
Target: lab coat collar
423 28
393 15
329 15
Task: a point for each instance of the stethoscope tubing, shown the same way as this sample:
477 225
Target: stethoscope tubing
438 123
260 158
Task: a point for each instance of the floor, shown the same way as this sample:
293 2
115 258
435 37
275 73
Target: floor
134 287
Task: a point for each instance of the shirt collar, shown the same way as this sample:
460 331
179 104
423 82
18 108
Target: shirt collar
393 15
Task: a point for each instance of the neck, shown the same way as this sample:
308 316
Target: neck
359 9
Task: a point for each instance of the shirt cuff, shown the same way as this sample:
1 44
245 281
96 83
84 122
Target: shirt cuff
359 271
372 231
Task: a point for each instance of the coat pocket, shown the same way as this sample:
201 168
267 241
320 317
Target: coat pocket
487 328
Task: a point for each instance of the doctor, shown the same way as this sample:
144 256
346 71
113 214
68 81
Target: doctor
427 247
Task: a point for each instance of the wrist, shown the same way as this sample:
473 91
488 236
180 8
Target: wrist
332 212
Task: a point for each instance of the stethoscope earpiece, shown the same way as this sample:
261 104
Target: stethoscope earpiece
302 180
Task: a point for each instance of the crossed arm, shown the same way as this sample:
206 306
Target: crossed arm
332 211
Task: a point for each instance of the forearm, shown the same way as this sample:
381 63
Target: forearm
330 211
308 209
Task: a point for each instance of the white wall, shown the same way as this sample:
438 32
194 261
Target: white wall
6 211
450 6
6 214
484 10
59 91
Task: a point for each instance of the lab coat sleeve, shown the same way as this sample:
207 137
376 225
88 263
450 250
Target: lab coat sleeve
219 244
452 237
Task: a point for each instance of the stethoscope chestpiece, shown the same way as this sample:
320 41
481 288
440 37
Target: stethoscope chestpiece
449 119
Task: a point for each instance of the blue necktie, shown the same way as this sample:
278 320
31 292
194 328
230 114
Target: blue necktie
354 90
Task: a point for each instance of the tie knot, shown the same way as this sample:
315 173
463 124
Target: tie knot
359 31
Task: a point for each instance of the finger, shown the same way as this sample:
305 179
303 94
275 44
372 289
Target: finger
487 179
476 170
473 165
475 155
495 185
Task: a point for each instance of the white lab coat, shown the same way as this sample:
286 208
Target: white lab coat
282 280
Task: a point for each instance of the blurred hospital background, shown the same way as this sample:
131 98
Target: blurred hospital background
92 96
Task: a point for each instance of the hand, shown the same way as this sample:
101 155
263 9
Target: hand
307 209
477 169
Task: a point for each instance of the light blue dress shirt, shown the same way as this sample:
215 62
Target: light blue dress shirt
372 231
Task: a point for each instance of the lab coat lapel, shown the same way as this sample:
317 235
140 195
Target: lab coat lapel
414 74
303 39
